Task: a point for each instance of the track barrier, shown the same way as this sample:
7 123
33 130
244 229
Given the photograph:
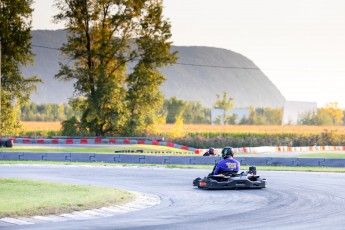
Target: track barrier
184 160
8 142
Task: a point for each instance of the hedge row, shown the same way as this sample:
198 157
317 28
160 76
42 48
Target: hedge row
255 140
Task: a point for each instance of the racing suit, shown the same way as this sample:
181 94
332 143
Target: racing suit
227 165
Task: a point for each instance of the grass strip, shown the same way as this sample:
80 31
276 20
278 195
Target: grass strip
21 197
339 155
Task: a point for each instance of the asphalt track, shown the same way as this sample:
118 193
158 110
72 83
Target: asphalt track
292 200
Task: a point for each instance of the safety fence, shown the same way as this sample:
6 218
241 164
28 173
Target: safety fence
261 149
182 160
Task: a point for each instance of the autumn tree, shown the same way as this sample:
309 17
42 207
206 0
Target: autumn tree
267 116
225 104
195 113
104 37
330 114
15 26
173 109
143 95
309 118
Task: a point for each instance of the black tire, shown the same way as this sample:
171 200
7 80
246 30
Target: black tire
252 170
9 144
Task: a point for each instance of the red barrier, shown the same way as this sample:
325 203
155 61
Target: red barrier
170 144
197 151
26 141
112 140
155 142
40 141
141 142
98 140
83 141
69 141
126 141
184 147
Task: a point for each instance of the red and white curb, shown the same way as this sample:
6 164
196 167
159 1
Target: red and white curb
278 149
71 141
142 201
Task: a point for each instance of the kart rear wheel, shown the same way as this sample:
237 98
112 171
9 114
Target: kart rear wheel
252 170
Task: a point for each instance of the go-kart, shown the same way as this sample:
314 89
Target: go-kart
231 180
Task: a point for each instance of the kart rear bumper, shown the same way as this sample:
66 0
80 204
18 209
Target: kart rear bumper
230 183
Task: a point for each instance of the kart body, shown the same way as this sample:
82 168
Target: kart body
243 180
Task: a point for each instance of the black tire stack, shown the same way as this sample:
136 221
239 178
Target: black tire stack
6 144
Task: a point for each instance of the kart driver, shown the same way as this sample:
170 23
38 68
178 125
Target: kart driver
228 164
210 152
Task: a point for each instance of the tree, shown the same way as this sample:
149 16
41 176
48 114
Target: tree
263 116
104 37
143 95
230 119
190 112
224 103
15 25
330 114
267 116
61 112
309 118
174 108
194 113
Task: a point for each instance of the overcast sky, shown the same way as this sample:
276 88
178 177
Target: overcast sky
298 44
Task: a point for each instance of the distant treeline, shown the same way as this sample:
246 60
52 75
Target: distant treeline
46 112
173 109
194 113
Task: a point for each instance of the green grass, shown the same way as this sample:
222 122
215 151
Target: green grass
323 155
300 168
19 197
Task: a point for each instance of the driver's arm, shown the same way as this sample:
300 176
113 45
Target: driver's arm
216 170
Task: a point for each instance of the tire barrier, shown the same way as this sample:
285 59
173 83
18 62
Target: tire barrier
6 143
183 160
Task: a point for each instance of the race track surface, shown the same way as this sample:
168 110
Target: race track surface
292 200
